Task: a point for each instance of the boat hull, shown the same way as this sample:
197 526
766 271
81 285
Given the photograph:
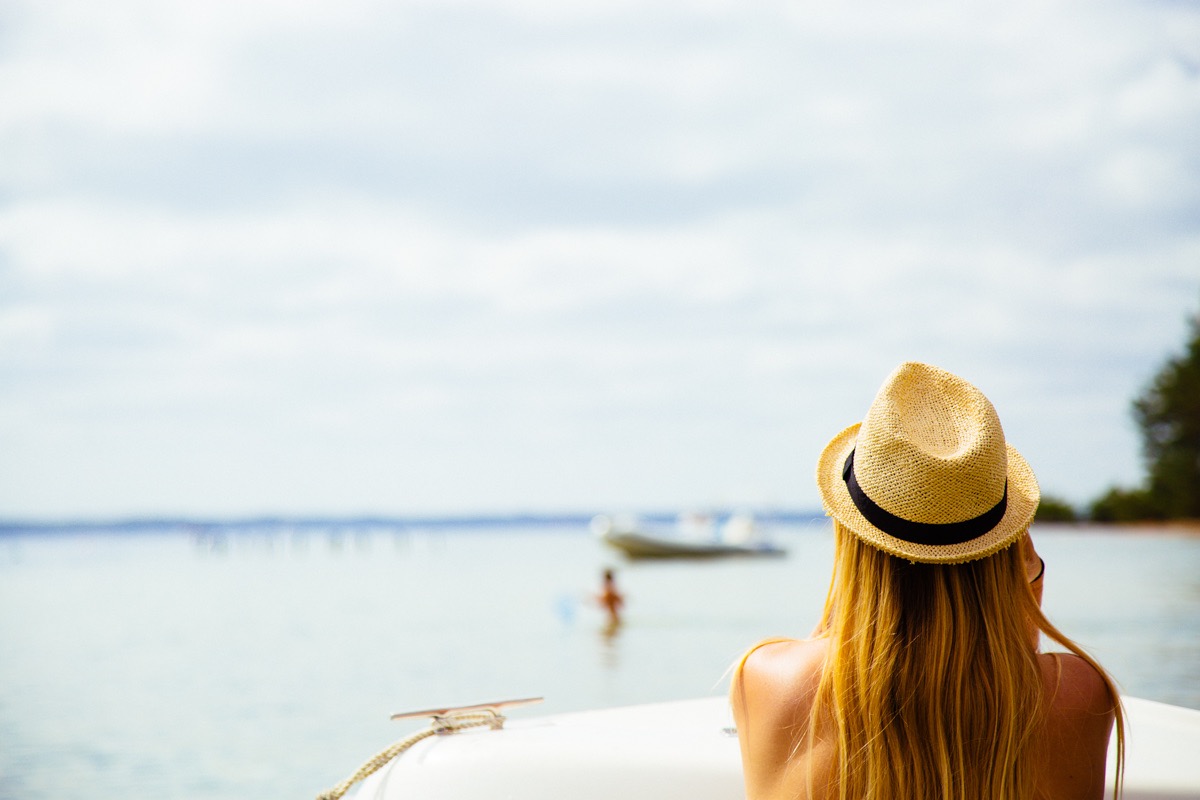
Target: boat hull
689 749
638 545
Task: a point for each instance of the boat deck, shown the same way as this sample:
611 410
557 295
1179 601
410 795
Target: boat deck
689 749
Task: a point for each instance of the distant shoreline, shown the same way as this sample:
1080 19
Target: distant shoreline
202 525
1181 526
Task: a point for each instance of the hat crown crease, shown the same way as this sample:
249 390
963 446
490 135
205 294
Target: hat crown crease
931 449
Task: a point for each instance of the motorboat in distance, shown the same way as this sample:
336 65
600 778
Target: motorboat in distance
696 536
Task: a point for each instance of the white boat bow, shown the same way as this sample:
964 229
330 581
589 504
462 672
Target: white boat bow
689 749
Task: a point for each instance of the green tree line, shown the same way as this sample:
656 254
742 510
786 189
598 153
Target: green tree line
1167 414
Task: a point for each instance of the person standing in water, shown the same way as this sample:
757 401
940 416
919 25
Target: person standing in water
923 678
610 599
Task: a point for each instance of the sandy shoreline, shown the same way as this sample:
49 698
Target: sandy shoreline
1187 527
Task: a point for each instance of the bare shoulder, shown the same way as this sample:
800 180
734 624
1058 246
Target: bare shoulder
777 678
783 663
1074 689
772 696
1080 711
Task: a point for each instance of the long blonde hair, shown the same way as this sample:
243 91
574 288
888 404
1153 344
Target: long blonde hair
932 686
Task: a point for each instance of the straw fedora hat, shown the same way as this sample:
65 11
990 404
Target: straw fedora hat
927 475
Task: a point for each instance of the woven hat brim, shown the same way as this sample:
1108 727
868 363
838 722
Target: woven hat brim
1023 498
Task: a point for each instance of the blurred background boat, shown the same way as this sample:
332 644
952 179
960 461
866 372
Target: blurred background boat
693 536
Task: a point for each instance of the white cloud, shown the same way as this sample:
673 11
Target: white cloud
624 253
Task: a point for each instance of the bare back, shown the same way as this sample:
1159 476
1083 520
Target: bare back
772 698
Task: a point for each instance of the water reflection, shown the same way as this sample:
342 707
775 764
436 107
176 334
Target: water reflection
609 646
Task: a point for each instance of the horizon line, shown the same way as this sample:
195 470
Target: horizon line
478 519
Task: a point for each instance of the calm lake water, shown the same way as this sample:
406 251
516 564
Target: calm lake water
266 663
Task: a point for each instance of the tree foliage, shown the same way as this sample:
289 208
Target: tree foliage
1124 505
1054 509
1168 414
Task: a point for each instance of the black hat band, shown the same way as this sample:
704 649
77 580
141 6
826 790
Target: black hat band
928 533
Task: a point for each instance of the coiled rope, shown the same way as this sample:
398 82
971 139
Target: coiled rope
441 724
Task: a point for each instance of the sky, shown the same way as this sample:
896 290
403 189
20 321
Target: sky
324 257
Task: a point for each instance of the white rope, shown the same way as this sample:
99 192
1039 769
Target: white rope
440 725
